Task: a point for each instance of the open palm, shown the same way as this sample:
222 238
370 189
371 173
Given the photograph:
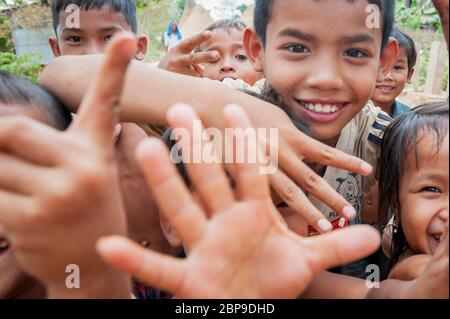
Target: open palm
237 244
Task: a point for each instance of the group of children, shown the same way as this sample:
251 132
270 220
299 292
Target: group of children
94 191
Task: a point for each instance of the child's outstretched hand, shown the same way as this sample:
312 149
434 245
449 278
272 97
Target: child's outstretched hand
434 282
238 247
181 59
59 190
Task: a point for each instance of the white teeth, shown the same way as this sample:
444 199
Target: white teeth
322 108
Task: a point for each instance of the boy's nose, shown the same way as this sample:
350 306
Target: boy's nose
329 78
227 66
94 48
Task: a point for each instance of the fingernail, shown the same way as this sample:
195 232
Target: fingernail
366 168
349 212
324 225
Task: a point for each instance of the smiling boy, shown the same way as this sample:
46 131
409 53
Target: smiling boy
85 26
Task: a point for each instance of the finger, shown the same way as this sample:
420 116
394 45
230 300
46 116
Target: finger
30 140
341 247
13 207
171 194
314 151
314 184
19 176
250 182
206 175
199 69
199 58
98 113
157 270
190 44
294 197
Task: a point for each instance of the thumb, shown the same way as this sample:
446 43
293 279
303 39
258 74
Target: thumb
98 113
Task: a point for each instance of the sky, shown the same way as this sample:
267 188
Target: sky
210 4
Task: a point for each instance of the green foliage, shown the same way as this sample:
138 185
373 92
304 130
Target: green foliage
418 16
24 65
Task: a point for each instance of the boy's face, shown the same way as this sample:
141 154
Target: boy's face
424 195
393 85
10 275
95 30
323 59
233 62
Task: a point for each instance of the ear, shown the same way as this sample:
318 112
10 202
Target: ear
54 46
254 49
388 58
142 47
169 232
410 75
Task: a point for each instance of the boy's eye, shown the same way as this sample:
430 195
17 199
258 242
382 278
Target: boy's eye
297 48
355 53
74 39
241 57
398 68
108 37
431 189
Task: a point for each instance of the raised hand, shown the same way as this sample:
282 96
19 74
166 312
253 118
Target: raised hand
181 59
238 247
59 191
434 282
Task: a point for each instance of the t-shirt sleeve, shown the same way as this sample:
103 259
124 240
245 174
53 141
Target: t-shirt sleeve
372 122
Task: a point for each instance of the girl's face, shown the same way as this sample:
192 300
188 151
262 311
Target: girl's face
424 195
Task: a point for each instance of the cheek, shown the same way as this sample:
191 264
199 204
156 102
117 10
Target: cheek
211 72
363 85
248 74
415 223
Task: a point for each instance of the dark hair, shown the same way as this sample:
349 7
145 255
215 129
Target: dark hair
19 91
226 25
400 139
126 7
264 8
405 42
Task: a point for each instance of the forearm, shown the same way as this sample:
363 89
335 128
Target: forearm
328 285
149 92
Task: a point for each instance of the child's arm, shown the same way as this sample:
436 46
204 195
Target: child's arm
59 191
442 7
411 268
150 92
238 247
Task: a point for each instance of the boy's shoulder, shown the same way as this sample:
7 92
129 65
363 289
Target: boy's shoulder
371 122
243 86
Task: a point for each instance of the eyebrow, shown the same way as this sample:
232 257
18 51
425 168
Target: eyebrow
293 33
358 38
107 29
217 47
432 176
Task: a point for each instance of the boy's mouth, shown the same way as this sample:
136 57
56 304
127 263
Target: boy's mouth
435 239
322 112
385 88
